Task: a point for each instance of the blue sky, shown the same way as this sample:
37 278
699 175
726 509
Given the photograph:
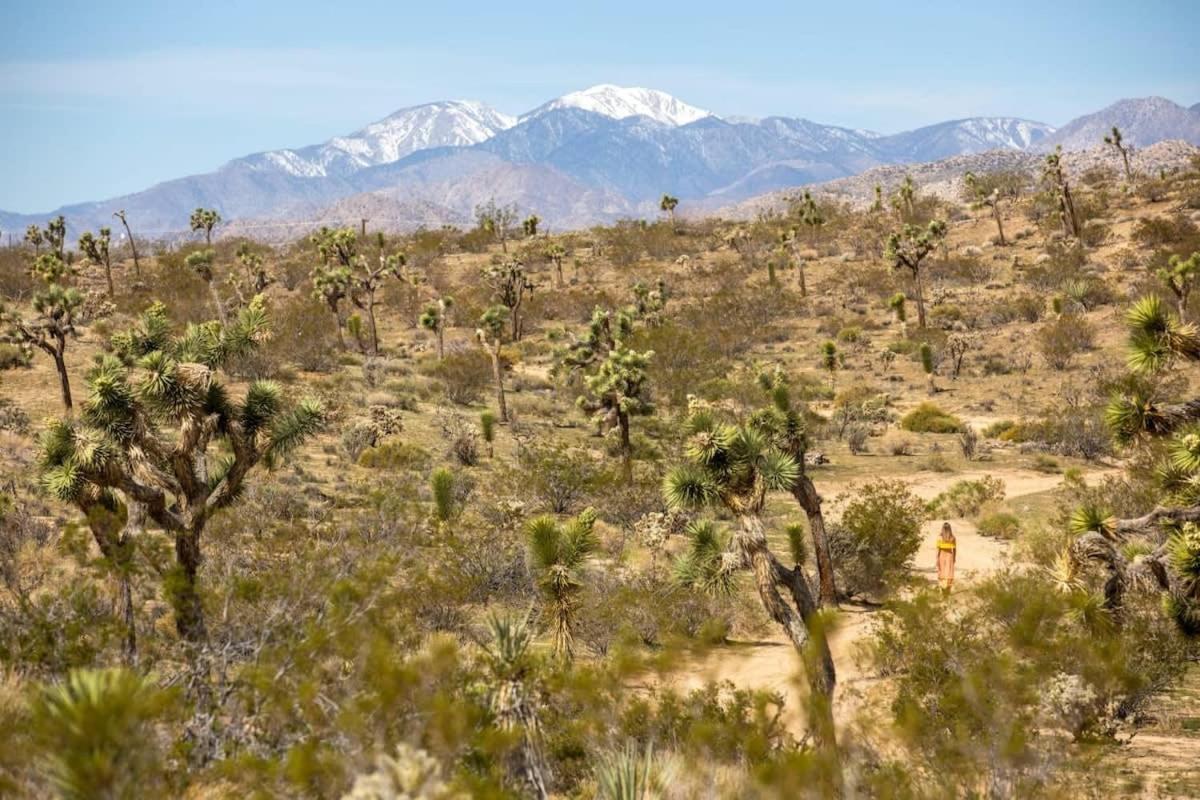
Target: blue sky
99 99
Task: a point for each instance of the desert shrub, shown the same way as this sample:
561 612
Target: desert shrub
967 497
935 462
1061 340
16 281
968 443
1000 525
1062 263
879 532
856 439
14 357
464 376
998 428
1046 464
395 455
928 418
1164 231
1078 432
302 334
1024 307
558 478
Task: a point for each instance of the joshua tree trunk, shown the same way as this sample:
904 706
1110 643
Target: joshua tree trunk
1070 222
1128 171
371 324
64 380
803 282
189 611
999 224
626 447
919 291
337 325
808 499
441 341
494 352
112 293
137 267
769 574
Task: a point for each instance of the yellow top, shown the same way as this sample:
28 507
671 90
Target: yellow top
943 545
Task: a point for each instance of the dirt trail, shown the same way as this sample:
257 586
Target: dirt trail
772 664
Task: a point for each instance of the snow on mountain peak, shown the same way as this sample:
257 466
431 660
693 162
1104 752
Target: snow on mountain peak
450 123
620 102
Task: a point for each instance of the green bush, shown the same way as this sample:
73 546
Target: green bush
1000 525
928 418
966 497
877 536
395 456
14 357
998 428
464 376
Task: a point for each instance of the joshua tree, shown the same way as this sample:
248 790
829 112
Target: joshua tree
983 195
1171 529
205 219
558 555
618 384
649 304
957 347
55 307
829 360
877 206
55 237
35 238
331 285
95 248
490 334
904 199
496 220
1180 276
487 429
119 453
530 225
1117 142
556 253
735 466
811 217
928 365
510 286
908 247
434 318
667 205
1052 173
513 704
344 273
201 262
789 244
137 267
254 279
785 422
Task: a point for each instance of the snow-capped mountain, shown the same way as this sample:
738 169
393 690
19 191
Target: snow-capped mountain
973 135
454 123
619 102
591 156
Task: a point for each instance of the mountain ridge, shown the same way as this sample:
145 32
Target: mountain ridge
596 144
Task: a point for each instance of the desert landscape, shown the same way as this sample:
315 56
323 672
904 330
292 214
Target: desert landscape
615 449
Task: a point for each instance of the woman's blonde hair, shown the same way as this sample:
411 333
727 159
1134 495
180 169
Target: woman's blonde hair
947 532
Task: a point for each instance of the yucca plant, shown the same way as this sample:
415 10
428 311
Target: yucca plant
557 557
1180 277
487 429
344 273
95 249
97 726
1158 340
631 773
441 486
119 452
511 668
556 253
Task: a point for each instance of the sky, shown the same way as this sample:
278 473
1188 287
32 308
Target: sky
99 99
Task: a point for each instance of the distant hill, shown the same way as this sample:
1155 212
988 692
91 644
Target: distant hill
1143 121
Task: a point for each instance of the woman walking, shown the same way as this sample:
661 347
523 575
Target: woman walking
947 548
